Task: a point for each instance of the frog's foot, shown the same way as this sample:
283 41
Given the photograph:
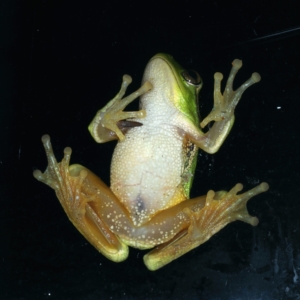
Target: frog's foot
76 193
108 123
225 104
57 176
56 173
220 209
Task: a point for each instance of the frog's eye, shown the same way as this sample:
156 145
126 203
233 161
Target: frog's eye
191 77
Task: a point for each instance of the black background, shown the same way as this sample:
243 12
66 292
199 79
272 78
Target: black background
61 61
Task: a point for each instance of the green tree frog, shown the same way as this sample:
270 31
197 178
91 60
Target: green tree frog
148 203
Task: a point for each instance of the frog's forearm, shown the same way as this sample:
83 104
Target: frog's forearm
216 135
212 140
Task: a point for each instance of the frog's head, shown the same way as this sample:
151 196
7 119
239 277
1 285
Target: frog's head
180 86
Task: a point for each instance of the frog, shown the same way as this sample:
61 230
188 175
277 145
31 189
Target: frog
148 205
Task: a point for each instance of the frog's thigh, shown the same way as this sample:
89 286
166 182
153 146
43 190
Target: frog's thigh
220 209
91 195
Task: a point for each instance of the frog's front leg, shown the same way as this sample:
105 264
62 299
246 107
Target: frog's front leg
109 124
220 209
78 196
223 110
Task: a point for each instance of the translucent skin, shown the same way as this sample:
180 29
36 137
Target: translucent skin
149 214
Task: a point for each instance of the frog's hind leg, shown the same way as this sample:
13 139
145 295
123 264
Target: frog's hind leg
81 194
220 209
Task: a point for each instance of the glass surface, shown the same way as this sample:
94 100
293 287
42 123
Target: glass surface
63 61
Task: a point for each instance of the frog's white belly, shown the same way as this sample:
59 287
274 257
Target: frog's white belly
146 169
